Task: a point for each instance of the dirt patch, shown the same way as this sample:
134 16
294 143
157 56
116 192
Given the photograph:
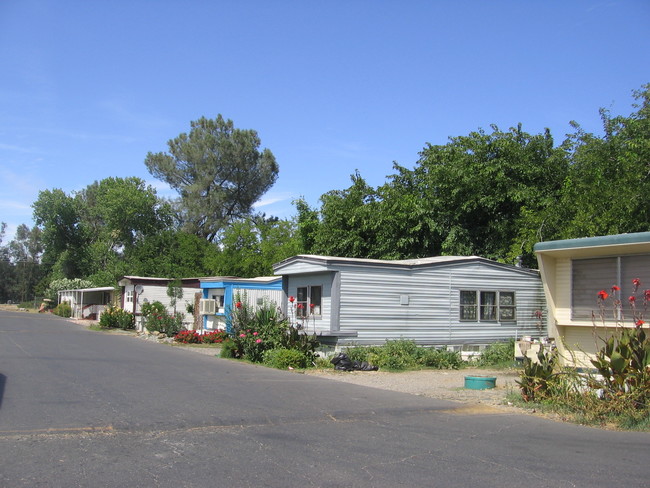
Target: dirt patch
445 384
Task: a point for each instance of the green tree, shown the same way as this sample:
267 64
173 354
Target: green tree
473 192
610 175
347 227
25 251
250 247
87 234
64 238
7 270
218 171
170 253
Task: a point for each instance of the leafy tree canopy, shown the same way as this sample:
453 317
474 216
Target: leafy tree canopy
249 247
219 172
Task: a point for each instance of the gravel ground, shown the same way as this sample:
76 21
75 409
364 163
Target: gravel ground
446 384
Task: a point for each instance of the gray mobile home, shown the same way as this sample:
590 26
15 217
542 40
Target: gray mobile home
438 301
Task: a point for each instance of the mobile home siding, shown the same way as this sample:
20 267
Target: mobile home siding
423 304
319 323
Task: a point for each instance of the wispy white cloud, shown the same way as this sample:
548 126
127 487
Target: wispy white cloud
274 198
22 149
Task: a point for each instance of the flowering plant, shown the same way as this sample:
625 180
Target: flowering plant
623 361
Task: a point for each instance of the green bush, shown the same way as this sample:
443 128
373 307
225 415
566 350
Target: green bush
440 358
396 354
282 358
228 350
498 354
156 319
188 337
214 337
63 309
117 318
253 332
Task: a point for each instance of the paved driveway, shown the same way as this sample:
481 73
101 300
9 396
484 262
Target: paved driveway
85 408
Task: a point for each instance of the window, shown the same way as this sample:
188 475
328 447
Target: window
128 297
308 301
487 306
589 276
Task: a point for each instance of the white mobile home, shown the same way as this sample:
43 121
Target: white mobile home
441 301
138 290
87 303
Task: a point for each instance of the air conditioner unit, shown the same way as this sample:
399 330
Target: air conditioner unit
207 306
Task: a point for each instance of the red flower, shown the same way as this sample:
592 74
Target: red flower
632 299
300 305
311 306
639 323
636 282
238 305
647 294
615 288
602 294
291 299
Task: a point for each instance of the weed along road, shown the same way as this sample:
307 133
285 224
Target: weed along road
88 409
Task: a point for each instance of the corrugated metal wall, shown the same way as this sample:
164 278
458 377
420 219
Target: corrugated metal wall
318 323
255 297
373 304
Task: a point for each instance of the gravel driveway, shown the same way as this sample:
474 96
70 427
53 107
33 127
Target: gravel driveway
446 384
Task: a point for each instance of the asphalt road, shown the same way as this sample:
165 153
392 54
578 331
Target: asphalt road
85 408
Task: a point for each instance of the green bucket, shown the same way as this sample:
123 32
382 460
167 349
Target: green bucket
480 382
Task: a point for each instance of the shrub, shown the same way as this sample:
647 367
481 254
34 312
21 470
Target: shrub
440 358
498 354
282 358
188 337
228 350
158 320
395 354
536 379
153 308
255 332
115 317
214 337
63 309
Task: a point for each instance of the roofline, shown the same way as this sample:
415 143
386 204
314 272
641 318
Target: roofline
234 279
403 264
590 242
101 288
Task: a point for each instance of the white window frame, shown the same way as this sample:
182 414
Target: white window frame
308 300
128 296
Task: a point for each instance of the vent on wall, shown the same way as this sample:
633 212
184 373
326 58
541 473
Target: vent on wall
207 306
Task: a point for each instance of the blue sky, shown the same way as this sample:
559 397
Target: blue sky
89 87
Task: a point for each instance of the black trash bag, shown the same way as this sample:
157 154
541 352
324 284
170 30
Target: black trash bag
342 362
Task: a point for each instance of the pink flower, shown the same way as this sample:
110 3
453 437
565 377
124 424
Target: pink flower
602 294
242 335
254 333
258 341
